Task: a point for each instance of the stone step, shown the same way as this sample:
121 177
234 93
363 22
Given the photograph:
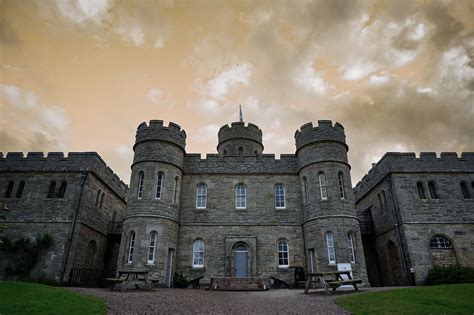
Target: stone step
240 284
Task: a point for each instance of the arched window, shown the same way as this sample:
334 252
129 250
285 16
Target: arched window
240 152
330 245
282 248
62 189
464 190
201 196
20 189
350 243
442 252
240 196
89 258
322 186
421 190
432 189
342 192
175 189
97 198
440 242
8 192
198 254
306 190
131 247
280 196
160 181
141 179
52 188
101 200
152 247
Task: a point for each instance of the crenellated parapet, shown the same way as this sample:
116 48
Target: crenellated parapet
240 138
396 162
58 162
325 131
156 131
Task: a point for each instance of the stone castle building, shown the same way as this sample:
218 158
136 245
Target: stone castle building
240 212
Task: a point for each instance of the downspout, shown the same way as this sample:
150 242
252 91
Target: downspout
73 224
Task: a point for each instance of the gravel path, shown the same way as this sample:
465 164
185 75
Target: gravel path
200 301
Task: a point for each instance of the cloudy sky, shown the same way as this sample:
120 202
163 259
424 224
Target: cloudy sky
80 75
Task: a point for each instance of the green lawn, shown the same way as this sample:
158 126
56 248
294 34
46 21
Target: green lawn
33 298
440 299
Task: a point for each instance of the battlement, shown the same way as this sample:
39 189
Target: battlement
325 131
427 162
156 131
58 162
238 130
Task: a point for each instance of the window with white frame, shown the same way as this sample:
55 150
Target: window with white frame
342 192
322 186
282 248
330 245
131 247
159 185
201 196
240 196
152 247
198 254
141 179
280 196
306 190
350 243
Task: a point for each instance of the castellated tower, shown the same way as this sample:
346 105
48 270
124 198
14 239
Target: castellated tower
153 202
239 140
329 215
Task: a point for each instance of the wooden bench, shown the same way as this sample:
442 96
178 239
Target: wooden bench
332 284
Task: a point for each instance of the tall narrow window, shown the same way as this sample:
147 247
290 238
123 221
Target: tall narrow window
350 243
306 191
101 200
421 190
384 199
432 189
159 185
380 200
8 192
198 254
97 198
175 189
322 186
131 247
201 196
141 179
342 192
20 189
152 247
312 259
464 190
282 248
240 152
279 196
240 196
52 188
330 245
62 189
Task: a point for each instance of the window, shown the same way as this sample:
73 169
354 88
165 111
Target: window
350 242
201 196
101 200
20 189
62 189
52 188
97 198
330 244
432 189
198 254
152 247
141 178
464 190
282 248
322 186
440 242
279 196
8 192
175 189
384 199
159 185
240 196
131 247
380 200
240 152
306 191
341 185
421 190
312 259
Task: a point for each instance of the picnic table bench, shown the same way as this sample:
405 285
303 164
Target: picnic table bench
333 284
132 275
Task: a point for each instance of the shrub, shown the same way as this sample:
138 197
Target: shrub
450 275
180 280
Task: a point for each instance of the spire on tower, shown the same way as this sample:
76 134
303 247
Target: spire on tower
241 116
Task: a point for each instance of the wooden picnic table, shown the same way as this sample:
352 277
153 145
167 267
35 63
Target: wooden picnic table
132 275
328 283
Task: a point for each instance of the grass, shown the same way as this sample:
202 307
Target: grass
440 299
33 298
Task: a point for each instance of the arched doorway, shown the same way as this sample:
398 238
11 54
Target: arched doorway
393 275
89 258
241 254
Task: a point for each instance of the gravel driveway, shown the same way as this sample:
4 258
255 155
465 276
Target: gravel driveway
200 301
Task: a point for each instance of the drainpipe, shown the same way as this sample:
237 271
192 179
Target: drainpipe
73 224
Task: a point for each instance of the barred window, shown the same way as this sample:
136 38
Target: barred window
152 247
131 247
306 190
330 245
198 254
279 196
20 189
201 196
282 248
342 192
322 186
350 242
159 185
240 196
141 179
440 242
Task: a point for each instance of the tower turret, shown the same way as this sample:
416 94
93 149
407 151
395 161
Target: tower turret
240 140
